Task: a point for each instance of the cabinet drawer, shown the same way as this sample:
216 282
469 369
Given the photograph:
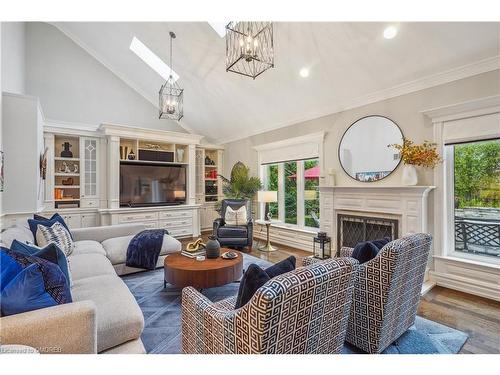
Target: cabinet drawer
89 203
180 232
89 220
72 220
134 217
151 225
177 223
175 214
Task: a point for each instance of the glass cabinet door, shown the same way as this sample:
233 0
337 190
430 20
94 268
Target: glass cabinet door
90 167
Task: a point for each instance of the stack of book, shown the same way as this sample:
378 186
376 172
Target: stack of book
193 254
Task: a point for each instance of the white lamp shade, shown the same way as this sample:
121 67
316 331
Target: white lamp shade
310 195
266 196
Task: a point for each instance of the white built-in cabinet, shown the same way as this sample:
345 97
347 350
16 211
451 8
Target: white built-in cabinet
209 164
89 151
72 180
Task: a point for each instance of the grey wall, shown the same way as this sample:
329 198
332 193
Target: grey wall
74 87
404 110
13 57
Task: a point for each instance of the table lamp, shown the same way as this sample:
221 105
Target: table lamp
267 196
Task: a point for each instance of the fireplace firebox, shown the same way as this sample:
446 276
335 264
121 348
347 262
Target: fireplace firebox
352 229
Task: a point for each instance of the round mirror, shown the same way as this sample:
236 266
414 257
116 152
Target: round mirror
363 150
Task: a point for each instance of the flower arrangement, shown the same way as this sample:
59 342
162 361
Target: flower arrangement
424 155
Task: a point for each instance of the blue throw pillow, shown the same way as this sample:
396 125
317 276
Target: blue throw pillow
366 251
34 283
51 252
255 277
286 265
380 243
9 268
37 219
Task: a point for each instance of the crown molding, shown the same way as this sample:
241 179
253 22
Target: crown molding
118 74
455 74
470 108
126 131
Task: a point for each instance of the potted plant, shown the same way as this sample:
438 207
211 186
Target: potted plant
424 155
241 185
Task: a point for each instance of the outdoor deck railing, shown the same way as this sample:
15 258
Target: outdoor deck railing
477 235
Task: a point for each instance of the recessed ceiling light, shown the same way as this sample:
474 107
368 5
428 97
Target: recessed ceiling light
219 27
390 32
304 72
149 57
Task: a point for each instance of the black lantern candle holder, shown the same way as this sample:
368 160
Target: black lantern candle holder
322 246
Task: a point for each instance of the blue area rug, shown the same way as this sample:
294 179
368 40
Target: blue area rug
162 314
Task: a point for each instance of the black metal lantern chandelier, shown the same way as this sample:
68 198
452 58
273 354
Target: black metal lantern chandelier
171 95
249 48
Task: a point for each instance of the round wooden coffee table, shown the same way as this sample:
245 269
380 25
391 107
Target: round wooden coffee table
182 271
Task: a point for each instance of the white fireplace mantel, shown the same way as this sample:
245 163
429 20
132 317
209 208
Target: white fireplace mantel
408 203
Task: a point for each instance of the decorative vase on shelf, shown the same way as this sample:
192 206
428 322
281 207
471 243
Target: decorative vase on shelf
212 248
410 177
66 152
180 155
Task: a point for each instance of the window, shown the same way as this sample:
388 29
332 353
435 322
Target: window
150 58
476 197
291 192
297 183
311 193
272 184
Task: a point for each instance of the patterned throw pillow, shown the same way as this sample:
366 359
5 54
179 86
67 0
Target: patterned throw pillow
51 252
236 217
37 220
56 234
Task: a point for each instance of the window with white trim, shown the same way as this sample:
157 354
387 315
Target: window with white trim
297 184
471 149
473 194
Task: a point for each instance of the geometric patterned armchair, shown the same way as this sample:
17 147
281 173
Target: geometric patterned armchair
387 293
300 312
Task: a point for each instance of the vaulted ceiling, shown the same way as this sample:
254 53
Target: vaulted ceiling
349 64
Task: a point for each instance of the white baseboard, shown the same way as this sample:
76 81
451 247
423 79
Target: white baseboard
467 285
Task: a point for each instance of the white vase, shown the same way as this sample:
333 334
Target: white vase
180 155
410 177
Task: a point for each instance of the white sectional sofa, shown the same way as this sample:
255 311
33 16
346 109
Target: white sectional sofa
104 316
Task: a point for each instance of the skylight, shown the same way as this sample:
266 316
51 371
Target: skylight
149 57
219 27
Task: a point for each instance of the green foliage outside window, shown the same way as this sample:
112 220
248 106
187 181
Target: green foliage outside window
477 174
290 193
311 205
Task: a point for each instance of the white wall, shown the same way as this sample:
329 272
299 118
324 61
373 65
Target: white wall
405 110
22 138
75 87
13 57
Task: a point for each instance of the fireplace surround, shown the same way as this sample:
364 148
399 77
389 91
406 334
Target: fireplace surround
405 205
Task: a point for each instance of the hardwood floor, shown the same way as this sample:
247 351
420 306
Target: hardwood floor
478 317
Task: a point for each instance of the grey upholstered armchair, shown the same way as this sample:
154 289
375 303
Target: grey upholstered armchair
234 235
299 312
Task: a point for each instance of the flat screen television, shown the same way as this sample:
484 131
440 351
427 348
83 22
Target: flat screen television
151 184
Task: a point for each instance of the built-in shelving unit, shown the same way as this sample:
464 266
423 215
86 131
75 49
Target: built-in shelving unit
66 170
142 151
